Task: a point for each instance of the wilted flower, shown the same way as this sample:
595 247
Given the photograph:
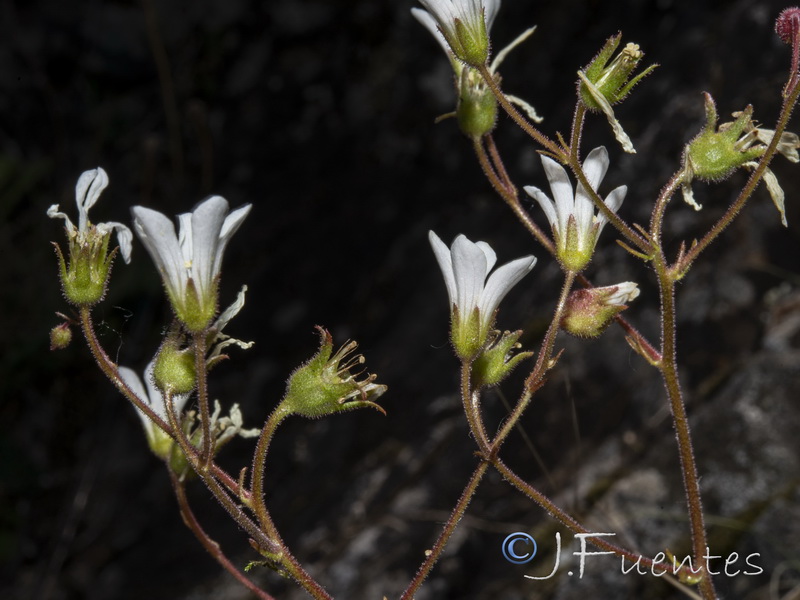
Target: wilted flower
190 263
575 226
716 152
474 298
603 84
326 384
84 280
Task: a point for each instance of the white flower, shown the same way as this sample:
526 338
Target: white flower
461 26
572 218
159 441
190 262
474 298
87 192
588 311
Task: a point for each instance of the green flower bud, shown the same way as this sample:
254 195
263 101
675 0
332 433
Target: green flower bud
477 107
325 385
497 361
589 311
174 368
717 152
60 336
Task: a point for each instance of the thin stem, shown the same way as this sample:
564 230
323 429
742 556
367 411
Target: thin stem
507 191
669 373
283 555
565 519
201 370
471 401
577 130
512 112
110 369
434 553
209 544
195 460
536 378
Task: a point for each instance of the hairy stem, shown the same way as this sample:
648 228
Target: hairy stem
434 553
512 112
205 540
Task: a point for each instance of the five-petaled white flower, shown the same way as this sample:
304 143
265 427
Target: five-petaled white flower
87 192
463 25
572 218
474 298
190 262
160 442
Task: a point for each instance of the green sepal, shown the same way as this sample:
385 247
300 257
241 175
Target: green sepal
497 360
84 280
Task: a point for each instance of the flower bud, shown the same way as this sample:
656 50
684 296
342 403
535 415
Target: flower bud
174 369
497 360
325 384
60 336
477 107
589 311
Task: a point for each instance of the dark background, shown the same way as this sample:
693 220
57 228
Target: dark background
321 115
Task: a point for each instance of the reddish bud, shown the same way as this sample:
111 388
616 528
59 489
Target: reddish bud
787 24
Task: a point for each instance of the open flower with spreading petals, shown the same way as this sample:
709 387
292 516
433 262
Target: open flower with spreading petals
190 262
85 279
572 218
160 443
474 298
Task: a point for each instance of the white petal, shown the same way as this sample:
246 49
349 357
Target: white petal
562 191
207 220
231 224
544 201
87 192
424 17
53 213
469 270
613 201
124 237
595 166
231 311
443 257
625 292
157 233
131 379
491 7
491 256
501 281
